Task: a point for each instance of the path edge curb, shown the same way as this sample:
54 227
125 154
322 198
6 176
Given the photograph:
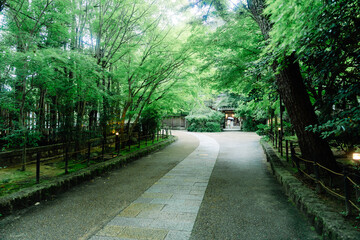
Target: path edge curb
327 222
46 191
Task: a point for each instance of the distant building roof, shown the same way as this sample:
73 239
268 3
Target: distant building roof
226 109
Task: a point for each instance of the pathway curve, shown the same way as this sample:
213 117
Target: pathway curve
168 209
83 210
206 186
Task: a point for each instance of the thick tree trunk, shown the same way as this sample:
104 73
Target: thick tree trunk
296 99
302 114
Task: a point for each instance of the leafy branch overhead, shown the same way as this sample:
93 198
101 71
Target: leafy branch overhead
72 69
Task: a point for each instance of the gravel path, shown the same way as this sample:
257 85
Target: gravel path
206 186
243 200
82 211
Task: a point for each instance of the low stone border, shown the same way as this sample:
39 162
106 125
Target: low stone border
44 191
327 222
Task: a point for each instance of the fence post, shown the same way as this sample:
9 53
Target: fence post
89 153
129 143
347 192
281 143
357 188
146 136
103 149
317 176
293 157
276 139
139 140
38 156
292 151
287 150
117 143
66 159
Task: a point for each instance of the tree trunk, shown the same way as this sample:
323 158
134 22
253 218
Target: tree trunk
20 92
41 111
53 118
302 114
123 120
79 122
296 99
92 121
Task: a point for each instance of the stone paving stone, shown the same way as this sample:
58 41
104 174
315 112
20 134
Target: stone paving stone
187 197
201 184
167 176
135 208
129 213
169 189
109 238
181 209
192 202
169 208
157 215
143 200
172 225
133 232
186 217
110 231
178 235
198 188
156 195
168 201
128 222
175 182
194 192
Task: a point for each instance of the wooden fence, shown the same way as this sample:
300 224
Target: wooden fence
344 185
93 151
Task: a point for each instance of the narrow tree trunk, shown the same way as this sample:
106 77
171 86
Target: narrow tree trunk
104 113
123 119
21 117
92 120
79 122
41 111
53 118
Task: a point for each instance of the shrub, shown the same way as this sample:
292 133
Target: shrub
263 129
205 120
150 120
213 127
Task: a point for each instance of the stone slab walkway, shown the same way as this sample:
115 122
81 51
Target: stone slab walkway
168 209
83 210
